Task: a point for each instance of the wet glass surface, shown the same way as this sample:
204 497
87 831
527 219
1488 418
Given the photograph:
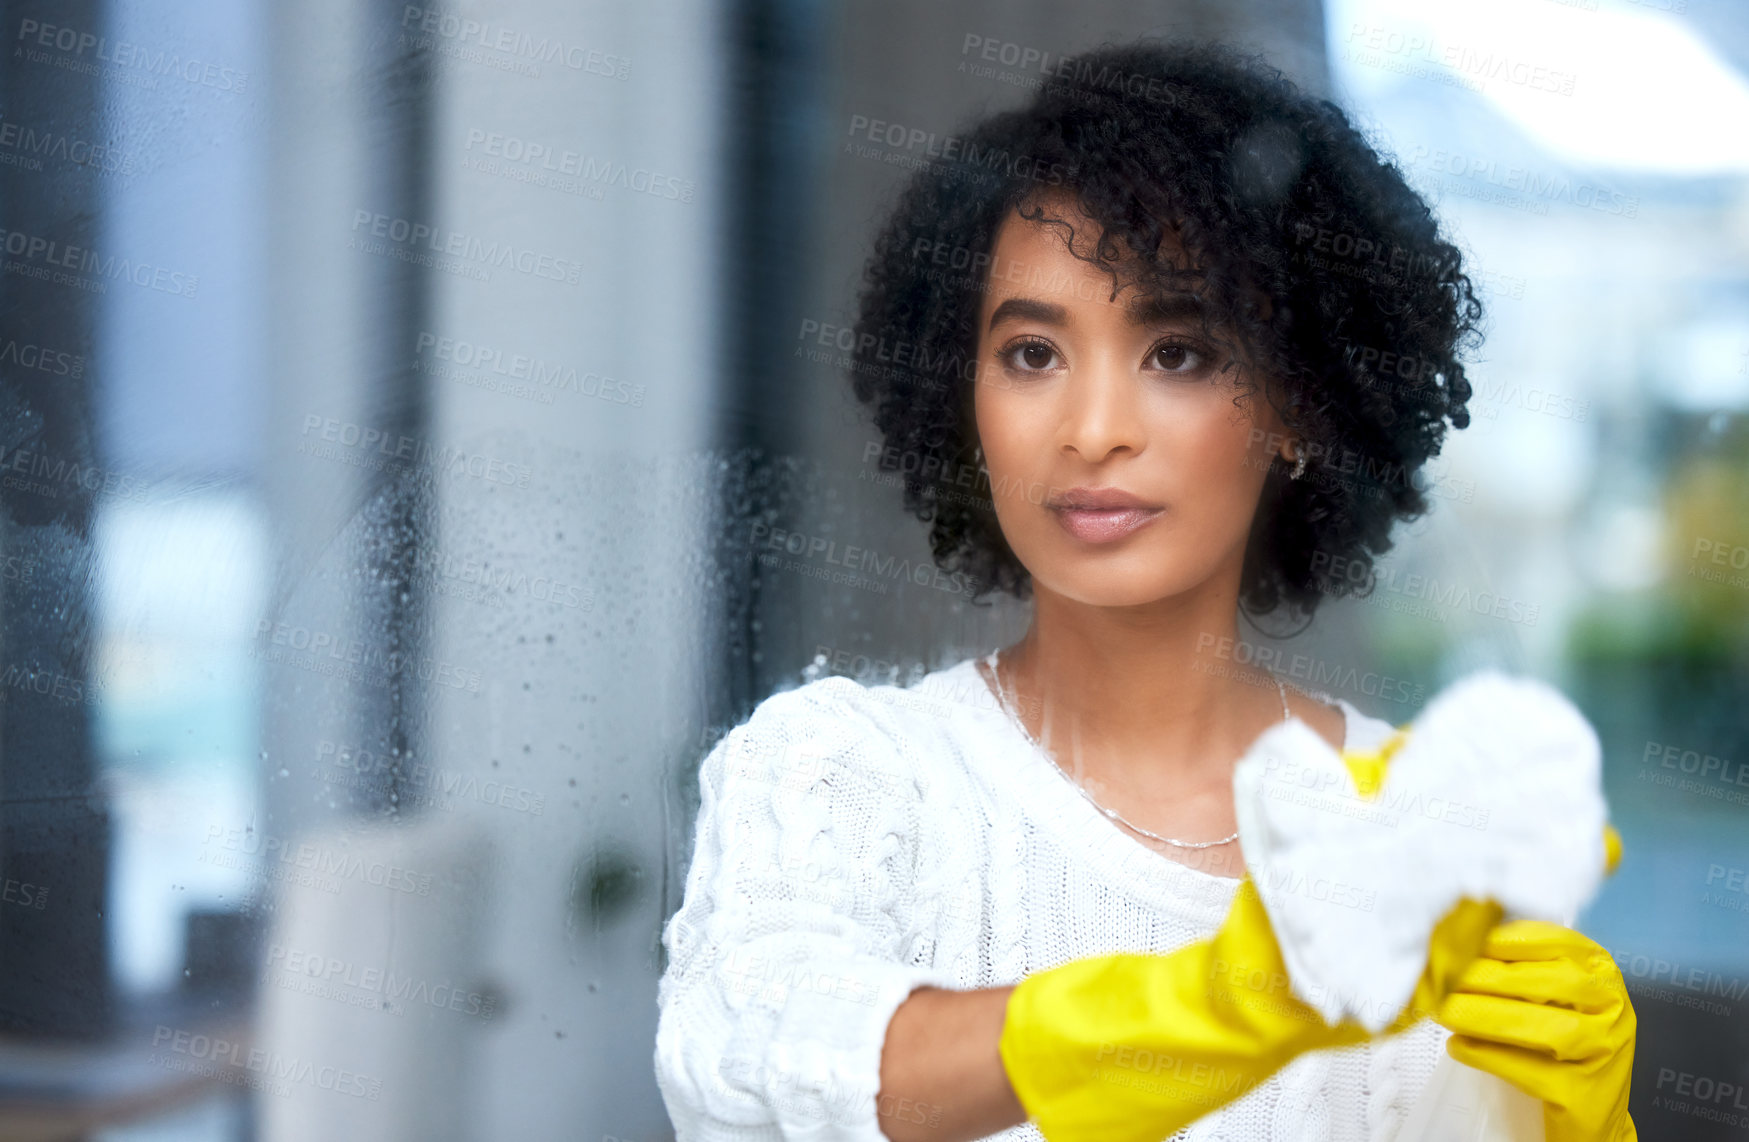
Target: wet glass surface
425 431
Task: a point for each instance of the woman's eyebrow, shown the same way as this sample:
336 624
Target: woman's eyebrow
1028 308
1161 309
1154 309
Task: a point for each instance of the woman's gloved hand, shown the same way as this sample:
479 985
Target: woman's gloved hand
1545 1008
1130 1047
1492 793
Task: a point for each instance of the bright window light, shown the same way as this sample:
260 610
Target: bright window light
1635 90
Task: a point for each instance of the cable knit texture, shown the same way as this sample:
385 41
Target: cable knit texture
856 842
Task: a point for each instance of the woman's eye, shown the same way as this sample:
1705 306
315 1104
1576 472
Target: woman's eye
1176 358
1032 356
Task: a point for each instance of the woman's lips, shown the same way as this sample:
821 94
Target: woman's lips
1106 525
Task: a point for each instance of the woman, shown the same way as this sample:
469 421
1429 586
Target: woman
1197 342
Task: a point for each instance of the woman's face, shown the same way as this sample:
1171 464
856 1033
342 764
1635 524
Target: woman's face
1125 466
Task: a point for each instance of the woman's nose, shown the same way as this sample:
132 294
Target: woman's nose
1099 413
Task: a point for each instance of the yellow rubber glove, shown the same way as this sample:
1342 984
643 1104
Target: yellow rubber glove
1545 1008
1130 1047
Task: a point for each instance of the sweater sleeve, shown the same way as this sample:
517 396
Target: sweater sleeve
788 955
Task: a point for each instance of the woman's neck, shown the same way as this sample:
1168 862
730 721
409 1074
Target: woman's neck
1151 698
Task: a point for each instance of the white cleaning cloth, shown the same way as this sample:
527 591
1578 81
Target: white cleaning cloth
1495 795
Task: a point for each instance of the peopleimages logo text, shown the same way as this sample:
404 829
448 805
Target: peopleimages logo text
387 448
52 254
34 34
513 42
453 243
224 1054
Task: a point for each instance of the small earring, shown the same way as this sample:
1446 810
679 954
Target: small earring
1299 461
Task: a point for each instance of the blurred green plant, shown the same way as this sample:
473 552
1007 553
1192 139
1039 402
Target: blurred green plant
1696 620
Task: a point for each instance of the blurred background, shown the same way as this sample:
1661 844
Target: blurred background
393 398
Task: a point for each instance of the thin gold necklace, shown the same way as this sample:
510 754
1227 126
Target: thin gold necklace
1002 697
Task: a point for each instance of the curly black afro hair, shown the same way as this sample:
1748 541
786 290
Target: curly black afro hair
1312 256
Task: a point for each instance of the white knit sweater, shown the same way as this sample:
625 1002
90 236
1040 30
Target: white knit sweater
856 842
